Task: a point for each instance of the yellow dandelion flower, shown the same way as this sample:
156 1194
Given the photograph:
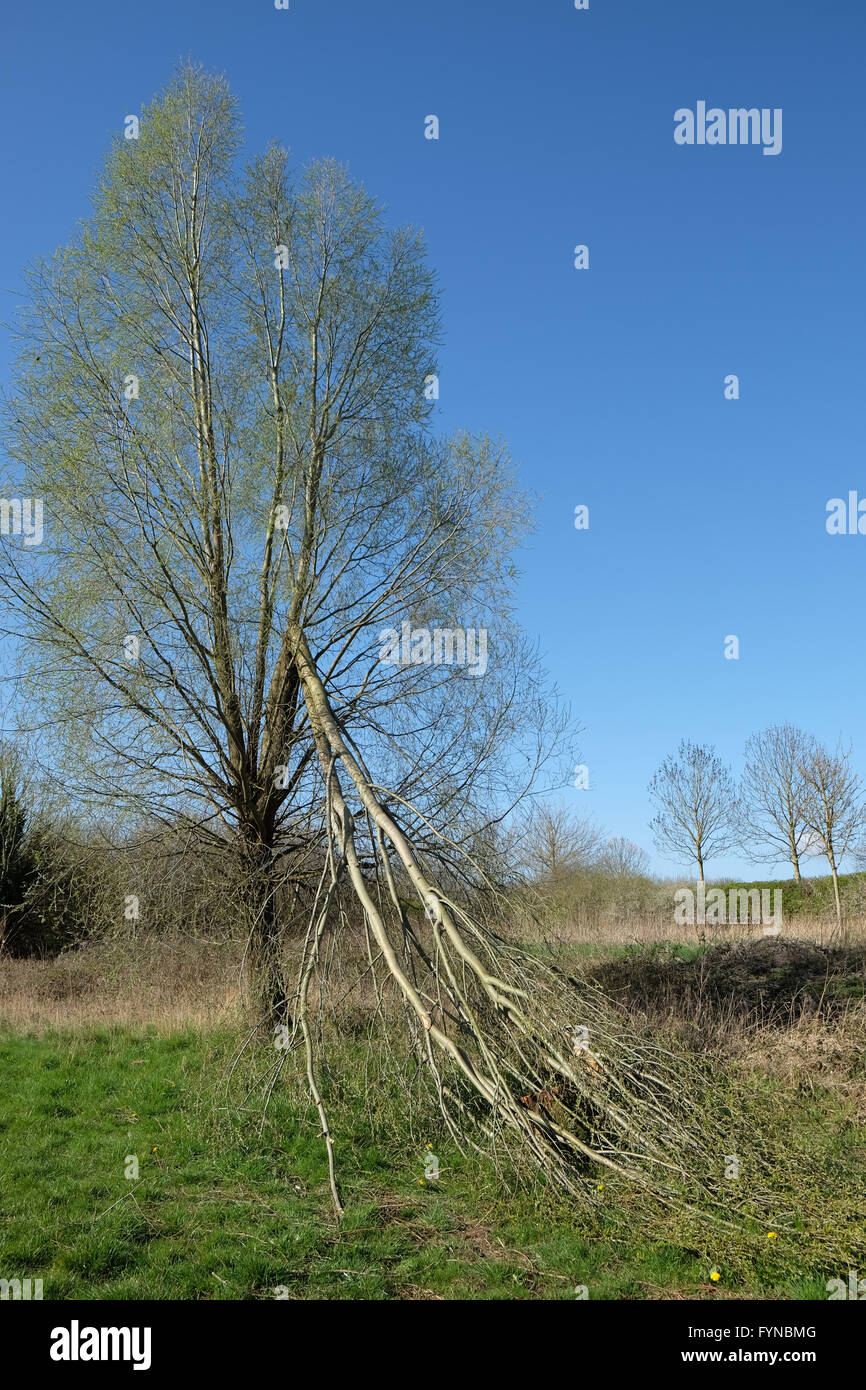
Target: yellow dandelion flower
715 1276
771 1235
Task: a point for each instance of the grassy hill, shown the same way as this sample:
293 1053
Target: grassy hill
811 898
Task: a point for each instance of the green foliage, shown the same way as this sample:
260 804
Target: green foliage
813 897
17 855
42 881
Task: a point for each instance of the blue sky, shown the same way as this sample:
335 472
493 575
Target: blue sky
707 516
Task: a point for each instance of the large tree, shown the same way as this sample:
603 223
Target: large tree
221 399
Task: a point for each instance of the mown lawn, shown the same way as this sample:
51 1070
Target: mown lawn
227 1206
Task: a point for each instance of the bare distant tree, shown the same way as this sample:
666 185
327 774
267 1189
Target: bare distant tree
622 858
696 805
556 842
774 796
834 806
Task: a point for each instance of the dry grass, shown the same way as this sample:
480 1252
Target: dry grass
812 1054
791 1009
792 1006
602 930
166 983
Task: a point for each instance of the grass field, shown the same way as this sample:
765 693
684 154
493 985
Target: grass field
231 1202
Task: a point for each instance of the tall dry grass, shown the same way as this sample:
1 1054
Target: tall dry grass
605 929
167 982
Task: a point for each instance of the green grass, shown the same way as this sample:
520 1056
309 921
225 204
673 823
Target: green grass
221 1211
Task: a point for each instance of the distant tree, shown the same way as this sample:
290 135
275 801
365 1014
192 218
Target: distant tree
556 843
774 795
834 806
621 858
696 806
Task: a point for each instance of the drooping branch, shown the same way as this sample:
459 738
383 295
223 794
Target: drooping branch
499 1018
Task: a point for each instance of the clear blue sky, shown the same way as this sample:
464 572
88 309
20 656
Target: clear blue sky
707 516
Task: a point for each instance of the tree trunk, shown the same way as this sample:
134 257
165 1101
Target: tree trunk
836 893
266 935
701 930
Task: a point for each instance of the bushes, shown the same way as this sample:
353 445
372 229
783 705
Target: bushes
57 907
63 881
17 855
49 878
40 886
